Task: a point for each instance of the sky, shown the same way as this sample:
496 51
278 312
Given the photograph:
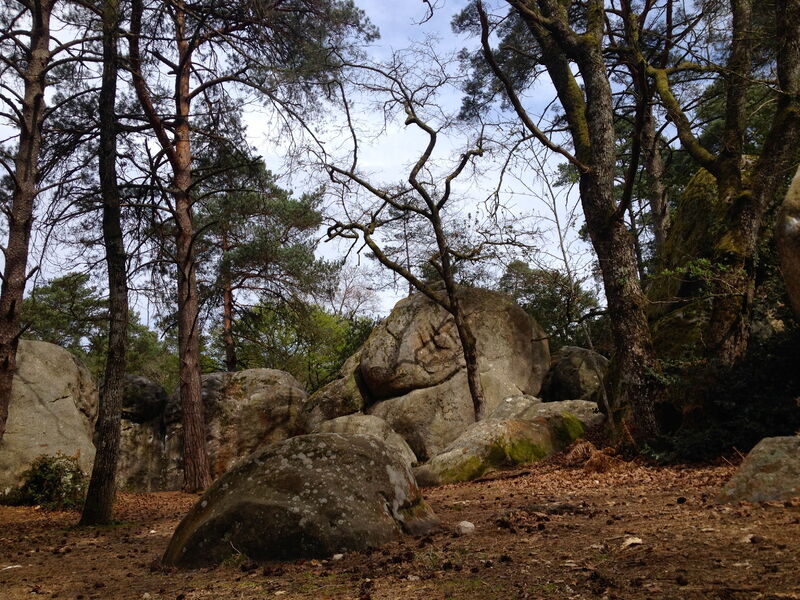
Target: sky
388 157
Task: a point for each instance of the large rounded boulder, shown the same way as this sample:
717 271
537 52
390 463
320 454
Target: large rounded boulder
52 410
770 472
243 411
411 370
309 496
521 430
371 425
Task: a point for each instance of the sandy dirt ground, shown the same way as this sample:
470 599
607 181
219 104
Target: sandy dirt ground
546 531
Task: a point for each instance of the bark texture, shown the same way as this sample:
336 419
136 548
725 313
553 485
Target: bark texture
98 508
589 115
26 182
178 151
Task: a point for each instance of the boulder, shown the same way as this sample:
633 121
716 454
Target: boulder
528 408
575 374
417 346
411 371
372 425
142 461
52 410
429 418
243 411
499 443
143 399
142 464
309 496
342 396
770 472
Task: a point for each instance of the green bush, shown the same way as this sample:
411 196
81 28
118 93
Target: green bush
54 482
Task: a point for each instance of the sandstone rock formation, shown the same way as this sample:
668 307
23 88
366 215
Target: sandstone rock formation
243 411
411 372
52 410
142 462
310 496
521 430
771 472
371 425
575 374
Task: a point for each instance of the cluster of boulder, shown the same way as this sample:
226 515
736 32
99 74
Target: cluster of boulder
339 470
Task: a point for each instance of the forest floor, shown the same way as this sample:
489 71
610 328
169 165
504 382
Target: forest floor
545 531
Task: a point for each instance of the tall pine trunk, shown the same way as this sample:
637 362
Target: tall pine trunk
98 508
197 472
20 215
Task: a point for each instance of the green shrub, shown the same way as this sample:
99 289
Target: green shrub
54 482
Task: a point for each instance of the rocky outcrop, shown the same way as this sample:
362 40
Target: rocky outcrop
52 410
521 430
575 374
371 425
342 396
310 496
770 472
411 370
243 411
529 408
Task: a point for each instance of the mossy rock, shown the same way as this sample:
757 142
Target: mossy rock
497 444
698 225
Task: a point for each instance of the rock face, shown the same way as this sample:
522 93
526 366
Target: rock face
52 410
411 373
371 425
528 408
522 430
575 374
142 460
309 496
143 400
343 396
771 472
243 411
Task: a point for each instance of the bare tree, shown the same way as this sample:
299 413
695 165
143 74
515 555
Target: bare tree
425 199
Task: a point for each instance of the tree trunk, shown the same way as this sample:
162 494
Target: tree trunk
227 312
98 508
788 234
455 309
657 191
470 359
197 473
20 216
749 198
635 389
